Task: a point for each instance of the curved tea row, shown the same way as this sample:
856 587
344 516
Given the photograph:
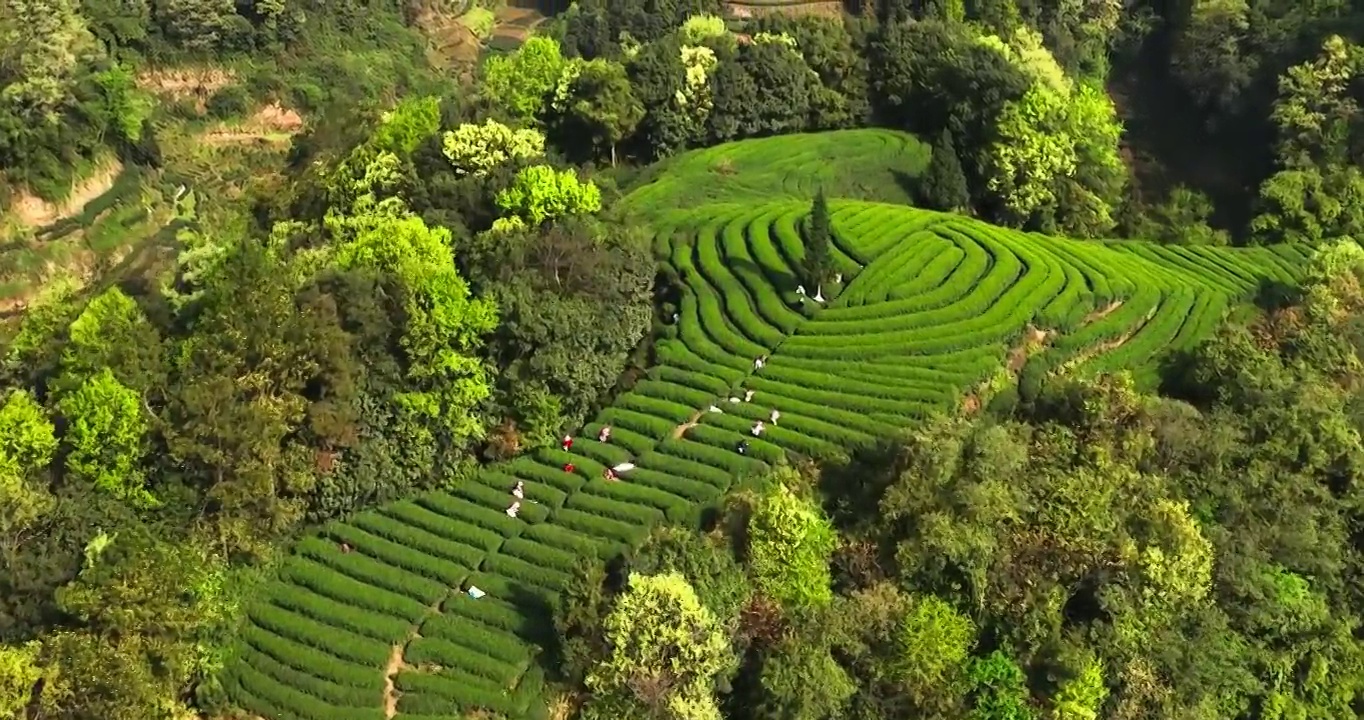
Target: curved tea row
927 307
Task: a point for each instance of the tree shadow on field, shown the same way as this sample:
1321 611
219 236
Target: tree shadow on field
537 614
909 184
781 281
1274 295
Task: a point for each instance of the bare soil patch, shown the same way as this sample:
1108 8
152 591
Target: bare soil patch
187 83
970 404
33 211
1032 341
395 664
272 123
516 23
749 10
1102 312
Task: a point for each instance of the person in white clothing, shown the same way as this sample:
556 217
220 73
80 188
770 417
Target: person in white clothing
838 278
800 290
605 434
520 490
775 414
748 396
758 429
715 409
514 509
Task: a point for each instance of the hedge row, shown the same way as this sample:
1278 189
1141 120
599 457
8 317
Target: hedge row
496 614
486 518
578 543
526 572
414 514
644 424
533 471
330 583
516 592
279 696
341 643
373 572
532 510
739 304
615 509
350 695
419 539
689 469
444 571
690 398
741 246
542 554
337 614
497 643
500 486
308 659
597 526
1154 337
632 491
433 694
444 653
676 353
692 490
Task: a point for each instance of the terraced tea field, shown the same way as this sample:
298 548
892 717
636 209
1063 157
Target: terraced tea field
930 306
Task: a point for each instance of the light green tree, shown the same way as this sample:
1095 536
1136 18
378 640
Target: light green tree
666 651
521 83
404 128
112 331
478 149
540 193
27 444
26 433
933 643
790 542
699 28
19 673
106 424
1082 693
445 323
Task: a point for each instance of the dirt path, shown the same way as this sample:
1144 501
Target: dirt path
1102 312
682 429
1106 346
395 664
1033 341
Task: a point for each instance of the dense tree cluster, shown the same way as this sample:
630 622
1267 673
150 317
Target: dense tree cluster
387 333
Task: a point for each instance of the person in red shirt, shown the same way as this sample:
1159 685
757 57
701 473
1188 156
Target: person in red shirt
568 467
568 443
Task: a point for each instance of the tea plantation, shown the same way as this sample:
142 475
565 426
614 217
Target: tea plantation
931 308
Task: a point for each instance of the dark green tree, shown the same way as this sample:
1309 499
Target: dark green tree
944 184
818 265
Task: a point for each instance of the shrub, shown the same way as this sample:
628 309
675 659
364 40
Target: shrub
230 101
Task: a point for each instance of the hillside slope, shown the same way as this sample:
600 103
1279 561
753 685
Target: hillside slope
931 307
